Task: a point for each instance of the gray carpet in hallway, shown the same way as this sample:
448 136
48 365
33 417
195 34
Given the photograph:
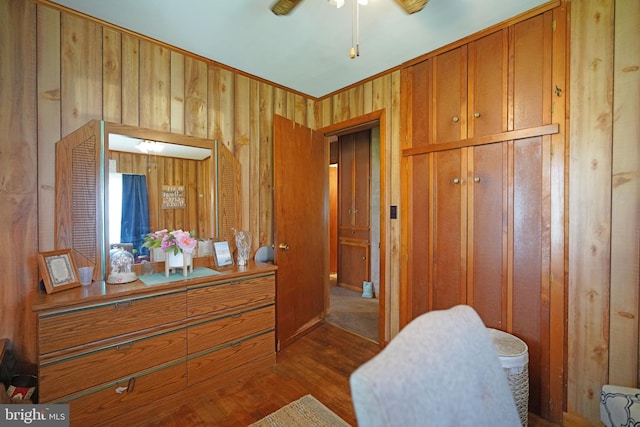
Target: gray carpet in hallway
349 310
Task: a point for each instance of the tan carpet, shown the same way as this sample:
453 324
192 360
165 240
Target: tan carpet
349 310
306 411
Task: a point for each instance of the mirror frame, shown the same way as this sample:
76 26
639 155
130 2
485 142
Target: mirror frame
85 150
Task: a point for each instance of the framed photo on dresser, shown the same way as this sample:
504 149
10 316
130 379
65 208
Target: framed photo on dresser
58 270
222 254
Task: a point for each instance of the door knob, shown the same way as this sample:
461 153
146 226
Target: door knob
476 179
283 246
476 115
456 180
456 119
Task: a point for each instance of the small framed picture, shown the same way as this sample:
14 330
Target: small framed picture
58 270
222 254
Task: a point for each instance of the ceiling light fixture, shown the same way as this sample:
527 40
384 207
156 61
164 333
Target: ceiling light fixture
147 146
355 27
355 23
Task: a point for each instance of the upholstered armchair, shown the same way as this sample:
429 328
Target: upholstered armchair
440 370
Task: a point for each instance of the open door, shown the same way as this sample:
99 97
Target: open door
300 228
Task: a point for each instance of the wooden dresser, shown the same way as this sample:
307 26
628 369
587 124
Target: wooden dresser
116 352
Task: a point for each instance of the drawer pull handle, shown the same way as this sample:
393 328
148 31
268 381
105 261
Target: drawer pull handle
129 388
235 343
123 304
236 315
124 346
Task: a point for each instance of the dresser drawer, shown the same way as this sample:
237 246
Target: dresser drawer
354 234
229 295
70 328
70 375
216 332
233 356
127 395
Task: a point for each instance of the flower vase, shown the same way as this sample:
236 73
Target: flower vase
180 260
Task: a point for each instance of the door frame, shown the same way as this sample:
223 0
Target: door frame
367 121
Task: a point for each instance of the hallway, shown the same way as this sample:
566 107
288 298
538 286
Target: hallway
350 311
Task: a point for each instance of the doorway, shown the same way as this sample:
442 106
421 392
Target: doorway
354 225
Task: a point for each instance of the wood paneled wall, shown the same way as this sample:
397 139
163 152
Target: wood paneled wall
89 71
604 202
86 71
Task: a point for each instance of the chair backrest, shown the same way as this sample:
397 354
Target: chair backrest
440 370
264 254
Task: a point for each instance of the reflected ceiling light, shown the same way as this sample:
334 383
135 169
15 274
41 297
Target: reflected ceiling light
147 146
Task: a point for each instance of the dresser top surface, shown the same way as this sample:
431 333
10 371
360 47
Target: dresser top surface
100 291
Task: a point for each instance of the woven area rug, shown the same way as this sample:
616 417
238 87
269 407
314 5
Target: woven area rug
306 411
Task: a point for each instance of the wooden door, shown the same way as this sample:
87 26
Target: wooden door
450 95
486 232
448 230
362 179
419 78
487 77
300 231
346 172
353 264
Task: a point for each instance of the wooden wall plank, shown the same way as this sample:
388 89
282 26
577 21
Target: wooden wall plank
221 112
557 281
242 133
255 161
280 102
390 195
81 75
179 79
155 86
48 31
589 181
111 76
18 195
196 108
625 215
130 80
265 233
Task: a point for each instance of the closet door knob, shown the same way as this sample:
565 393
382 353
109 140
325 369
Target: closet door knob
476 115
476 179
456 180
456 119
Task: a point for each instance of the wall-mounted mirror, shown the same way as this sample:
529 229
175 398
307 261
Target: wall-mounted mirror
155 185
116 183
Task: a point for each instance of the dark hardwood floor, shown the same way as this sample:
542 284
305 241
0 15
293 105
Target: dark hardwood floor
319 364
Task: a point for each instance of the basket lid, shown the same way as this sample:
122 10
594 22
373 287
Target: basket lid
508 346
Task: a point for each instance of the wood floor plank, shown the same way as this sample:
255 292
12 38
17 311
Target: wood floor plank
319 363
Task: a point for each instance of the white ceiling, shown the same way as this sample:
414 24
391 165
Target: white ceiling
307 50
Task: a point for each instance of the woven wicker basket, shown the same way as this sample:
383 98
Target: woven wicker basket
514 357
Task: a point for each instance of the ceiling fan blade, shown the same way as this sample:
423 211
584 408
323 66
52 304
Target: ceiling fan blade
283 7
412 6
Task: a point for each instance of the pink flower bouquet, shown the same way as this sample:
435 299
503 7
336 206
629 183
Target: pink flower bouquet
176 241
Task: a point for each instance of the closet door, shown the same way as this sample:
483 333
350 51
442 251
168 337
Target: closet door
346 171
450 95
487 81
487 233
361 179
448 229
353 264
